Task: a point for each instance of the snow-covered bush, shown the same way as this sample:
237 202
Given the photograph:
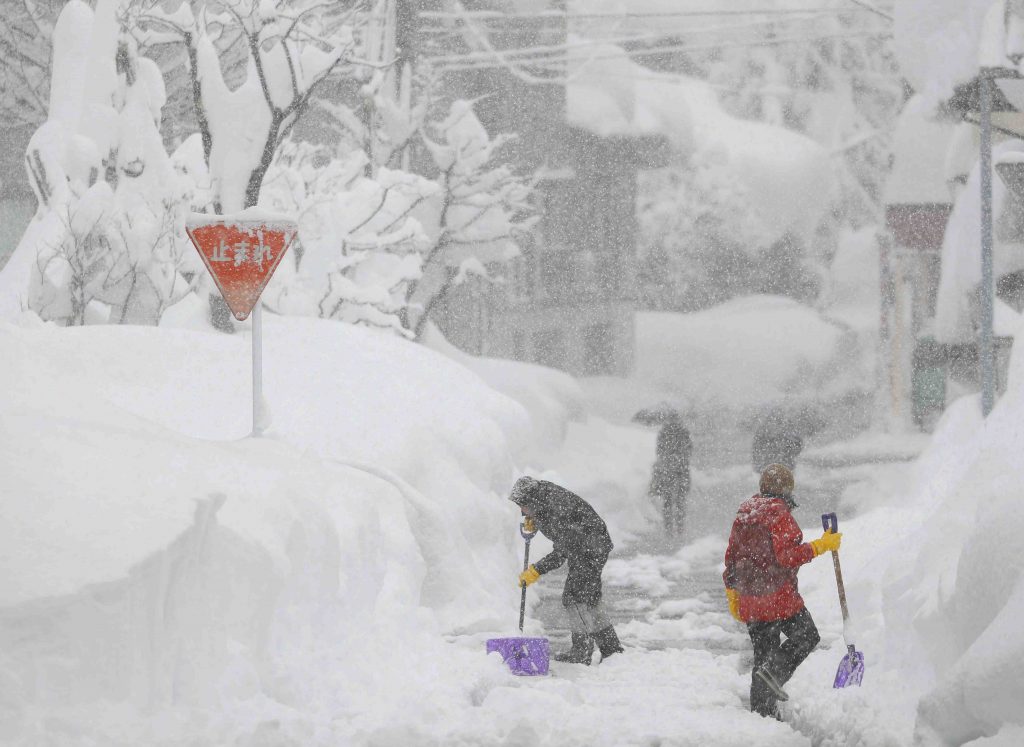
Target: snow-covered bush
359 245
381 246
112 208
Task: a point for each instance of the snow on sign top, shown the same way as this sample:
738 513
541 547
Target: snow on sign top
241 252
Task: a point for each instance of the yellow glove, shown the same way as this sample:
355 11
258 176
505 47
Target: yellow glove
528 576
828 542
734 603
528 526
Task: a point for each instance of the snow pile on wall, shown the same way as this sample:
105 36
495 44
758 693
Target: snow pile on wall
961 250
744 352
960 581
918 172
150 564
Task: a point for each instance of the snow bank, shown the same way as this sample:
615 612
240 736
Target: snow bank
551 398
744 352
162 581
941 624
969 617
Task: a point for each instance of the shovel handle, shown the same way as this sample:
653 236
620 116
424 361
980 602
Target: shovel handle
526 564
830 523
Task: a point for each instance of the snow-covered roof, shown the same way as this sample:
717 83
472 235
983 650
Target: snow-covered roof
785 175
920 145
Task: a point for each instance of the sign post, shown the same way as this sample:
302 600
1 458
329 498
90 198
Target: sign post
241 252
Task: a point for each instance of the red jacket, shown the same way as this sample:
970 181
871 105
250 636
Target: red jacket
766 548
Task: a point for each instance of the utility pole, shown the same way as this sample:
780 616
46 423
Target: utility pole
985 350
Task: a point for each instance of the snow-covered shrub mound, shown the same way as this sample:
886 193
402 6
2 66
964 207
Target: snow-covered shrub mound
152 560
744 352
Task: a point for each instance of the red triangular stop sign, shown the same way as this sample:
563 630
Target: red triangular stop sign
241 255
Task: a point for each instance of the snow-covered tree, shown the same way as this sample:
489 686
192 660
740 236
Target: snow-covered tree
359 245
278 54
382 246
109 242
481 210
289 49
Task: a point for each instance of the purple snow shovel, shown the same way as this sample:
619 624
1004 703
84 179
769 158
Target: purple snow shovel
524 656
851 668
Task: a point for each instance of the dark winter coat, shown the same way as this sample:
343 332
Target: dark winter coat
670 477
766 548
572 525
775 445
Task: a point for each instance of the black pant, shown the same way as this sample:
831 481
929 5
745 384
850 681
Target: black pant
780 660
583 582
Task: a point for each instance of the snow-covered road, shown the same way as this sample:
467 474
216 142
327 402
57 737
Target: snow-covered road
684 678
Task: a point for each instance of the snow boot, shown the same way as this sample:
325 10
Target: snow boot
608 642
580 652
766 677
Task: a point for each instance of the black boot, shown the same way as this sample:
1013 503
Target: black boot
580 652
608 642
773 684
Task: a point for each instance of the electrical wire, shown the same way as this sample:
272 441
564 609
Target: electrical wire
555 48
484 65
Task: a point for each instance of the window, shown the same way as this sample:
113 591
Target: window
549 347
598 350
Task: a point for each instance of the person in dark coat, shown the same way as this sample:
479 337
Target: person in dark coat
766 549
775 443
580 538
670 478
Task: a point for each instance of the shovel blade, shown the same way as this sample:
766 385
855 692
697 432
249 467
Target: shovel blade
851 670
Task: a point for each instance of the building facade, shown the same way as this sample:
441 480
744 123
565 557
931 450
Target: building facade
569 301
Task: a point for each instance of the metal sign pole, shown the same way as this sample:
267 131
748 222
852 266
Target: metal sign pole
257 369
985 352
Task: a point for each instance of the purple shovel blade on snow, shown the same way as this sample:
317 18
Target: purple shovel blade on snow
524 656
851 669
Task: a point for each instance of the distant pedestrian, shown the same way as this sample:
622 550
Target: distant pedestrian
580 538
766 549
670 477
775 442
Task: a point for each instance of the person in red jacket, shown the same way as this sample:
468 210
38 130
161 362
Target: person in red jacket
766 549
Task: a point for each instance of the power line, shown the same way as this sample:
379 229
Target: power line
561 15
548 61
872 9
543 50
